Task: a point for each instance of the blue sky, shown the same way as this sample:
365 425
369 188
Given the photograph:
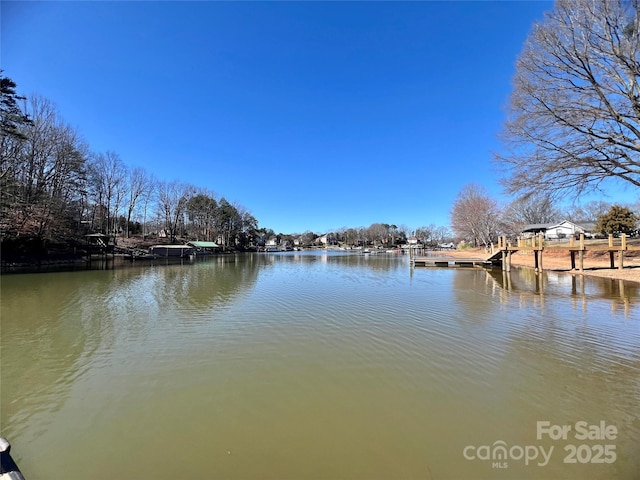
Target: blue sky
312 115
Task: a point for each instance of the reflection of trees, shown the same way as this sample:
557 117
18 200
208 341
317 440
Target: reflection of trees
209 282
55 326
45 344
378 262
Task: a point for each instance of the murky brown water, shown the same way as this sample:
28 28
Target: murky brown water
300 366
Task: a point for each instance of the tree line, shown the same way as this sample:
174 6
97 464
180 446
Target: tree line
54 189
376 234
479 219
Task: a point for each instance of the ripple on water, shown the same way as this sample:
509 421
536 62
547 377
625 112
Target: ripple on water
349 360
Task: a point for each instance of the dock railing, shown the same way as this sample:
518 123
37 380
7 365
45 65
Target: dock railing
537 245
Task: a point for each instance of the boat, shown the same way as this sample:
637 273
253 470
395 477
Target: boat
8 468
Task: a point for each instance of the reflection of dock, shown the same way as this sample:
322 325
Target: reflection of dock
526 285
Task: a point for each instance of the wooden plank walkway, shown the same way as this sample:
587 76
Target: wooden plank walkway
456 262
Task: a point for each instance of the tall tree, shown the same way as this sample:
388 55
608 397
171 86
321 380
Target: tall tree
12 116
248 229
227 222
574 116
201 210
475 215
173 198
108 174
13 119
137 185
43 176
617 220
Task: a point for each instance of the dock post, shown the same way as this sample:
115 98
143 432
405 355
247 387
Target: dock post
572 253
623 246
540 237
611 255
581 253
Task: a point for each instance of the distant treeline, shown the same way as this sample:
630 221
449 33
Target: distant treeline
54 189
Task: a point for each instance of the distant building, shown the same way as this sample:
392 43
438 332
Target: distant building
271 242
558 231
326 239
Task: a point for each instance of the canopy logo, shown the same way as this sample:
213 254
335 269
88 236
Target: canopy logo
500 453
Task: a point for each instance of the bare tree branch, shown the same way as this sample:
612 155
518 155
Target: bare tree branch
574 114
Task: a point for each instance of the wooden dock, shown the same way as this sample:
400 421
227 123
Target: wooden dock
455 262
536 245
501 254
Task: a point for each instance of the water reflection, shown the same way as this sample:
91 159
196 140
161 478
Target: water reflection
310 366
58 326
533 287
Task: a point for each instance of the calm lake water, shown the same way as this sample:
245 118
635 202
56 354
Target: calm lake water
319 366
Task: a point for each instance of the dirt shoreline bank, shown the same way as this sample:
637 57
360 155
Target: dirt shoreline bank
595 264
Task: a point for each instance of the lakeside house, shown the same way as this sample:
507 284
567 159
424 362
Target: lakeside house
326 239
558 231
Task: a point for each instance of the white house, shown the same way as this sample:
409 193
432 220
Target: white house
557 231
272 242
562 230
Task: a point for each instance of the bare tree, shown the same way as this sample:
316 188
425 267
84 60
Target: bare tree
475 215
138 184
529 210
442 234
148 195
43 172
426 234
173 198
108 178
588 212
378 232
574 116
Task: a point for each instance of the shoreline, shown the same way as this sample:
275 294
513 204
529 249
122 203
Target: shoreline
595 265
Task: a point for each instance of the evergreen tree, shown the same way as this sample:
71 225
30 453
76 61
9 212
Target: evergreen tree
617 220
